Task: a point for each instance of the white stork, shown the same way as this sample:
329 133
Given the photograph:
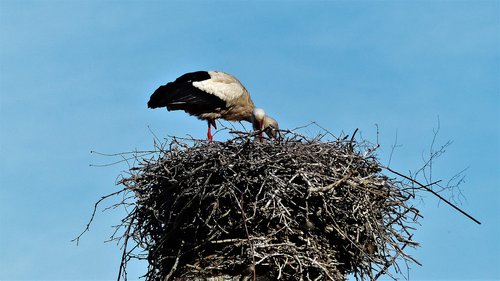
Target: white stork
210 95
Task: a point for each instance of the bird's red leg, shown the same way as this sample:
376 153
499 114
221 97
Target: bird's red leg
209 132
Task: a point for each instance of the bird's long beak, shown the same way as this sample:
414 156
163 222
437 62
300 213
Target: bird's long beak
261 127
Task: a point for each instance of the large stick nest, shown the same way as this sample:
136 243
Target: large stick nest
297 209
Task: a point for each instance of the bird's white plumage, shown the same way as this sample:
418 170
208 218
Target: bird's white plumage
259 114
222 85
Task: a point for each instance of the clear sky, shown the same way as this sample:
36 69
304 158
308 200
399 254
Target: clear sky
75 76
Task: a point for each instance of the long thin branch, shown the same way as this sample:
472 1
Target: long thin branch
434 193
124 254
87 227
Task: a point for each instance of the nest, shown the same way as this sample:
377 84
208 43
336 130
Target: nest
295 209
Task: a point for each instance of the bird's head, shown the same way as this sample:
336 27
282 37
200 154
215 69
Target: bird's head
260 121
271 127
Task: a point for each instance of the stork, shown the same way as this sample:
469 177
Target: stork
210 95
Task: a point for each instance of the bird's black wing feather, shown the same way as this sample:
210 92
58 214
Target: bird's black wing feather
182 95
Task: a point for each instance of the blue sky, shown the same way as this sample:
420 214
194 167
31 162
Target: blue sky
75 76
